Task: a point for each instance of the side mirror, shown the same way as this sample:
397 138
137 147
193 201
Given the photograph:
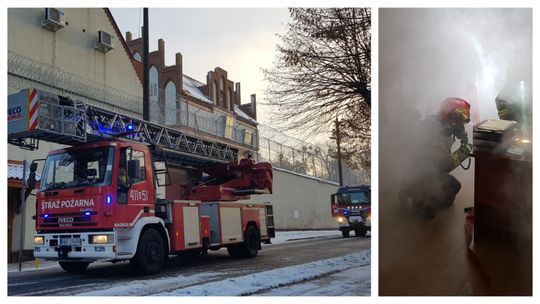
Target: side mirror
134 171
31 182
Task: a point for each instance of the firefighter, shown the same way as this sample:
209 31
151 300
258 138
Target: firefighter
429 184
513 102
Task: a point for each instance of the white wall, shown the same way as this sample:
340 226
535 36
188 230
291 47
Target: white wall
300 202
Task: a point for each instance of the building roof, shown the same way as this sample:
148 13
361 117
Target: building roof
120 37
243 114
191 87
15 171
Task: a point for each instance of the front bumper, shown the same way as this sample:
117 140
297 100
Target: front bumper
53 248
356 222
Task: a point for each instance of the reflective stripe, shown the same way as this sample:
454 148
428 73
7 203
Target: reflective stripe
32 109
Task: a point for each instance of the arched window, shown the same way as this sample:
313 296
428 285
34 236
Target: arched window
221 83
154 97
137 56
170 103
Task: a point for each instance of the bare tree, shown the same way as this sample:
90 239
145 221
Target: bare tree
322 71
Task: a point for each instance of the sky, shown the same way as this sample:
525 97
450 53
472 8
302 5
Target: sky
241 41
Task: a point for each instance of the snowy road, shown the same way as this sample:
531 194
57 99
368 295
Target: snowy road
338 266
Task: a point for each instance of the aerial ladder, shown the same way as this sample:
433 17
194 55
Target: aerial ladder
98 198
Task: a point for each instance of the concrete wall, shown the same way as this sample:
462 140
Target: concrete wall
71 48
300 202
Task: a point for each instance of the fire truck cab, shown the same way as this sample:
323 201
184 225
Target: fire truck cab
351 207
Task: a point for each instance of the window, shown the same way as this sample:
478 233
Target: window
353 198
229 126
170 103
154 108
92 167
248 135
142 169
122 171
137 56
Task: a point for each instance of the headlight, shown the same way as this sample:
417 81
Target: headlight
39 240
101 239
341 219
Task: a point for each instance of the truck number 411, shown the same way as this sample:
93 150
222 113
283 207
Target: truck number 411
138 195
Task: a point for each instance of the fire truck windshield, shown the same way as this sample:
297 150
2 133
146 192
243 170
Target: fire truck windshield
91 167
352 198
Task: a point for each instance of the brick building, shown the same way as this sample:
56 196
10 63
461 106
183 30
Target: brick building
184 102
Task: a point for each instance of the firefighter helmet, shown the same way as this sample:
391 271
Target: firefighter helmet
455 111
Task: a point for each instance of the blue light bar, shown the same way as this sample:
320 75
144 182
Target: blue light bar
108 199
45 215
87 213
130 127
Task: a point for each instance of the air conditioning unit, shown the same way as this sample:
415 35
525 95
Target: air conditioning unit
105 42
54 19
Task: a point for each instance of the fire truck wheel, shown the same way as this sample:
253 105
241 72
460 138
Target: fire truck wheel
74 266
150 253
249 248
360 232
345 233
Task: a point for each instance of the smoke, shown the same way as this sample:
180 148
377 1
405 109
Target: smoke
425 56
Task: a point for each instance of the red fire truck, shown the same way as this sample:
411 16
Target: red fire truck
98 199
351 207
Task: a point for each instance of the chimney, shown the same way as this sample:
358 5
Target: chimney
237 94
129 37
161 51
253 106
178 61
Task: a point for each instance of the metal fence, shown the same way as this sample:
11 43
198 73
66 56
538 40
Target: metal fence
295 155
173 110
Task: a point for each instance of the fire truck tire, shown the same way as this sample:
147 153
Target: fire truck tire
249 248
360 232
345 233
74 266
150 254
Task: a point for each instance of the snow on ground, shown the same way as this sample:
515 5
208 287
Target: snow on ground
149 286
256 282
352 282
286 236
281 237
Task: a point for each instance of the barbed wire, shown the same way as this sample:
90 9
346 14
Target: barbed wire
299 156
22 69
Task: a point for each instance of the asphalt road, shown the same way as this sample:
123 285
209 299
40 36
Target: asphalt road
55 282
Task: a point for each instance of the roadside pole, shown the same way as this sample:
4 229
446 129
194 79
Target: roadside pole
23 214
